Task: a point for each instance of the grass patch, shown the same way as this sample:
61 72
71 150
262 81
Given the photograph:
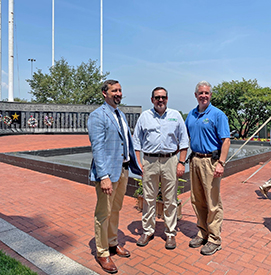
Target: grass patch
10 266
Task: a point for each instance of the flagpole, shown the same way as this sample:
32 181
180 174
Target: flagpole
10 49
53 32
0 50
101 41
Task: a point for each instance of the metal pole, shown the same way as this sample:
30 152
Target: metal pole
0 50
256 171
10 50
101 42
53 32
249 139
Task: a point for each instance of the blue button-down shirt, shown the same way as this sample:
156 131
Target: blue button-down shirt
160 134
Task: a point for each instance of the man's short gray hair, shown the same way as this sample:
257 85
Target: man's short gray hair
203 83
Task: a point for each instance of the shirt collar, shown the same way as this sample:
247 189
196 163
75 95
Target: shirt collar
155 113
112 109
207 110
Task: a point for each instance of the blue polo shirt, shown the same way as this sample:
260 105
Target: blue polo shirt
207 129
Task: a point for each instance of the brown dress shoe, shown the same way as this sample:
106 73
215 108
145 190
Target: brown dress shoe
107 264
120 251
144 239
170 242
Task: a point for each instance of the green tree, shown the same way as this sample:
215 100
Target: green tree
184 116
65 84
23 100
17 99
246 104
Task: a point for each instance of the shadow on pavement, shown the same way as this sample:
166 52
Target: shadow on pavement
267 223
39 228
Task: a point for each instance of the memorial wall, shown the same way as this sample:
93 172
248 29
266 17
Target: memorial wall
17 117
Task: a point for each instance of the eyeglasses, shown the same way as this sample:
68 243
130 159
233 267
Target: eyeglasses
158 97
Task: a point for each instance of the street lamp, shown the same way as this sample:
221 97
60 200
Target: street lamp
31 60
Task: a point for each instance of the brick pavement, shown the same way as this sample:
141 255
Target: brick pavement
59 213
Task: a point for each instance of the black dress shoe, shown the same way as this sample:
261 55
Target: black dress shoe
107 264
144 239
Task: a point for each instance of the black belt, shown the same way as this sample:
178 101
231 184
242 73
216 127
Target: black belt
159 155
200 155
125 165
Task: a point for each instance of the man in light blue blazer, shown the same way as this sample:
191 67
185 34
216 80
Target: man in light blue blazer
113 153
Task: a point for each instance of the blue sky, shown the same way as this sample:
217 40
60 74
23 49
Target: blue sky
149 43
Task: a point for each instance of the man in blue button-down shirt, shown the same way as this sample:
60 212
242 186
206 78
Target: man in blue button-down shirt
160 133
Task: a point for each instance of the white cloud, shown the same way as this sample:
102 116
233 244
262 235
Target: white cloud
232 40
4 85
4 73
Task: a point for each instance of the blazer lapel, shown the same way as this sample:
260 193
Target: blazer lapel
112 118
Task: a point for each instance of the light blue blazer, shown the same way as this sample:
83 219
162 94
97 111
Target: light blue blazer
107 145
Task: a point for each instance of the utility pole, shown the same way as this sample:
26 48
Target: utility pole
10 49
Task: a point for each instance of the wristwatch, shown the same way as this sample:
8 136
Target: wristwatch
223 163
182 162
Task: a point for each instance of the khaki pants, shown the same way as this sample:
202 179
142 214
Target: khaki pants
160 170
107 215
205 198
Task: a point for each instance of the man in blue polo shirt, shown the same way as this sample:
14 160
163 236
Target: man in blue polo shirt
209 134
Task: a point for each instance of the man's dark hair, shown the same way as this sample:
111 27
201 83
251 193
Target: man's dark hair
156 89
108 82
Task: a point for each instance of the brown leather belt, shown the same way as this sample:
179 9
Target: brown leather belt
159 155
200 155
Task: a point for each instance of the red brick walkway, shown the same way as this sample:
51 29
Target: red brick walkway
59 213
